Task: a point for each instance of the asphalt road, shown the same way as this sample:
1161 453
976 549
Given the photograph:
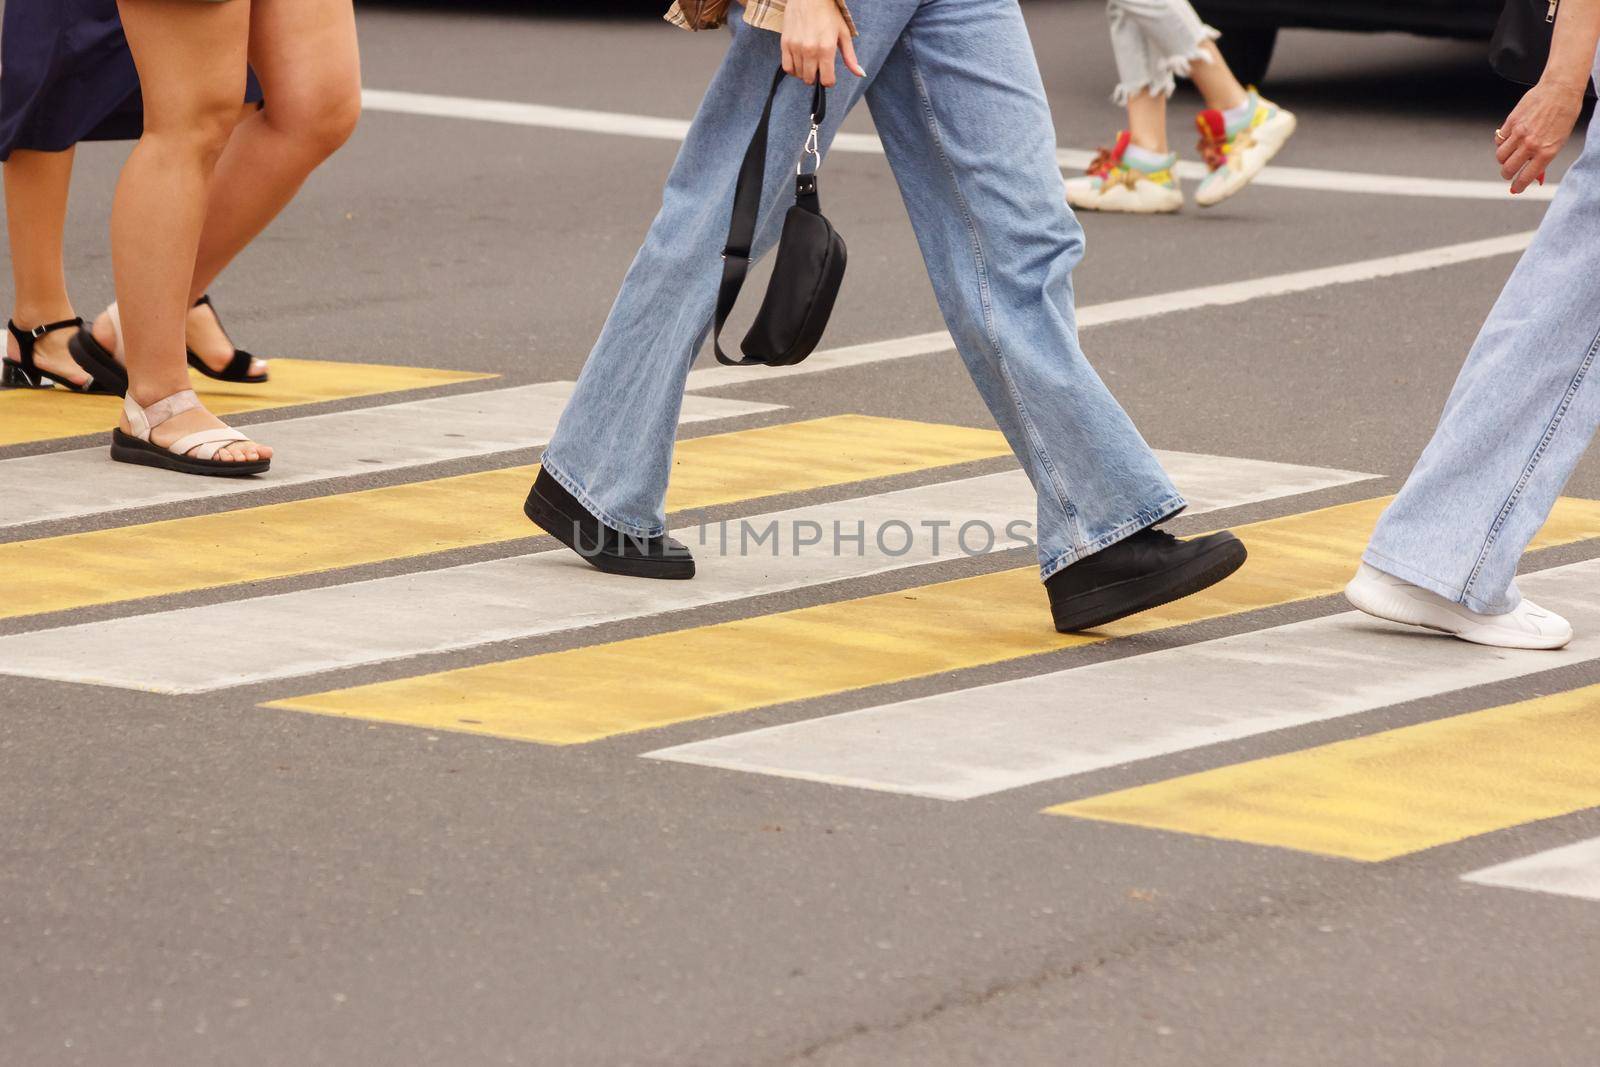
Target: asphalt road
199 879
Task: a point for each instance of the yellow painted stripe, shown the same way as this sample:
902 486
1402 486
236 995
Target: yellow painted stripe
1389 794
326 533
591 693
45 414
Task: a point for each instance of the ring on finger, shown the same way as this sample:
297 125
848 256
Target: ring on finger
1499 135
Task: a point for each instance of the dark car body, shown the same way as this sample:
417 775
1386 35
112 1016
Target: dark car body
1435 18
1250 27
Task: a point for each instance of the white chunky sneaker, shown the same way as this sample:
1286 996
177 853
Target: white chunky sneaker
1237 153
1114 183
1387 597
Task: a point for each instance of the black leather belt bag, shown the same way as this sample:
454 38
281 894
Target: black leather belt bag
810 263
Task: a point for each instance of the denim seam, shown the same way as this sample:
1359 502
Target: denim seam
1556 421
1030 428
582 496
1142 521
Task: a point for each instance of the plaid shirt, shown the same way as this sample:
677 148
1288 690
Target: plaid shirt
762 14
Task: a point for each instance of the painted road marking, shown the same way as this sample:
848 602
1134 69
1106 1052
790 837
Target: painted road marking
1145 307
620 124
347 530
1571 871
80 483
591 693
340 444
459 607
986 739
1392 793
28 415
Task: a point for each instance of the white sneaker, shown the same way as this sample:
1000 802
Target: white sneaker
1387 597
1237 156
1115 184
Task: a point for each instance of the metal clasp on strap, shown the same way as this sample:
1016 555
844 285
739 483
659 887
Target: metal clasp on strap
813 149
38 332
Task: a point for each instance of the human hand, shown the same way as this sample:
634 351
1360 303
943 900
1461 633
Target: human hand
1535 131
815 32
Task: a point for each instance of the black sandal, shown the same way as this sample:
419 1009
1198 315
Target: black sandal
238 368
24 373
98 360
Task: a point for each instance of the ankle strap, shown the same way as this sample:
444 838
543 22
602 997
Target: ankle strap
203 302
142 420
39 331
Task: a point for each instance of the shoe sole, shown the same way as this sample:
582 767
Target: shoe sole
1273 145
555 522
93 358
1167 207
1383 602
1153 590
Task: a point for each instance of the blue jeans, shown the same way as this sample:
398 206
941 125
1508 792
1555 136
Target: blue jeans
1520 417
956 96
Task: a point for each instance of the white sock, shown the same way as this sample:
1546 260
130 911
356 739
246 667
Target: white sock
1238 116
1143 159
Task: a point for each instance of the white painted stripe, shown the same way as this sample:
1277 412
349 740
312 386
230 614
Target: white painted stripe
460 607
1570 871
1145 307
1344 181
60 485
620 124
577 120
973 742
396 436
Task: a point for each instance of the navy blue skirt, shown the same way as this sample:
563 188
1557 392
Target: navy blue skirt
66 75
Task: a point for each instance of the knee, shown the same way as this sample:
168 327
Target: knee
200 133
318 123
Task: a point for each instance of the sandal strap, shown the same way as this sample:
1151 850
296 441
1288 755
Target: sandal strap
114 313
26 339
205 444
39 331
239 366
232 368
142 420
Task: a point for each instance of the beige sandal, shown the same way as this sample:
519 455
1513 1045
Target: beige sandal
193 453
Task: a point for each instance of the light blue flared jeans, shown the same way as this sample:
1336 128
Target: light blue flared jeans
956 96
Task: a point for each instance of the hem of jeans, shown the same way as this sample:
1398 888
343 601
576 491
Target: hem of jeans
1423 580
581 494
1169 70
1142 521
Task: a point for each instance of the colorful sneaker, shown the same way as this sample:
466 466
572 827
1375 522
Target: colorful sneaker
1236 153
1115 183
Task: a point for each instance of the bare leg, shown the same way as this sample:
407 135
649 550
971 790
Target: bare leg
36 217
191 59
207 338
305 54
1147 120
1215 80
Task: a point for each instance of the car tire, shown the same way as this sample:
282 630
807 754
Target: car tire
1248 50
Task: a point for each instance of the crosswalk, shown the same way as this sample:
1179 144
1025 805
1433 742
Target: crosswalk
28 416
1164 687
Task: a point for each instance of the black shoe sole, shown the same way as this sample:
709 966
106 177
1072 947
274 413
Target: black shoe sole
93 358
555 522
1153 590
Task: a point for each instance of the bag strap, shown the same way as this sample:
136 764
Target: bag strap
747 211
